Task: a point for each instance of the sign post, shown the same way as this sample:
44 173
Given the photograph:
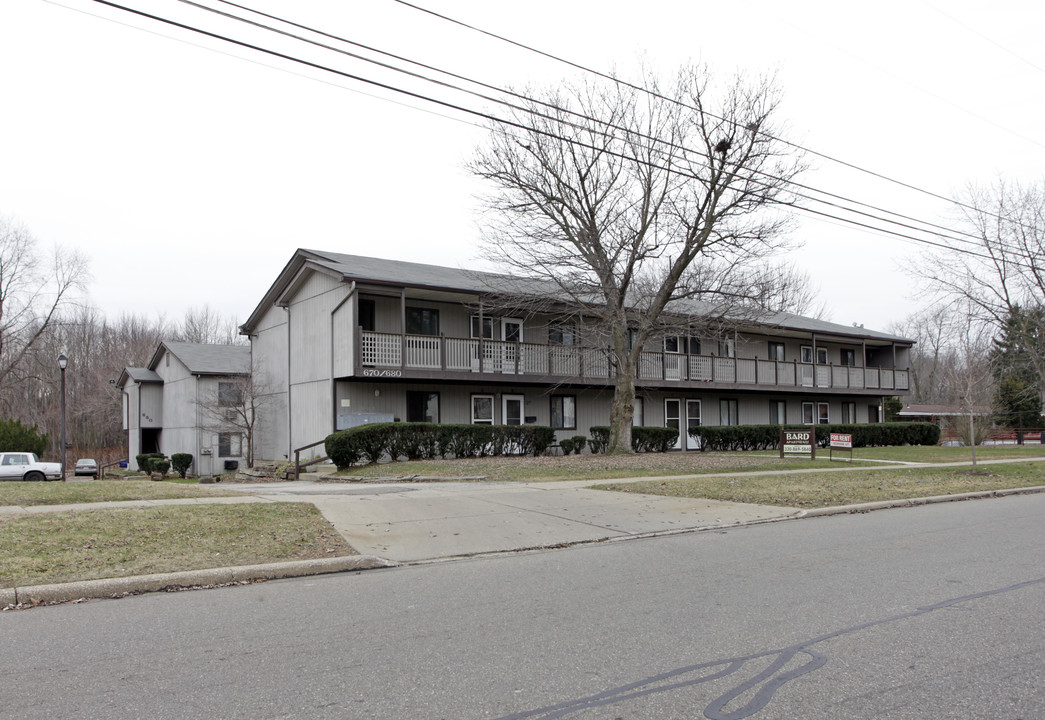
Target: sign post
798 442
843 441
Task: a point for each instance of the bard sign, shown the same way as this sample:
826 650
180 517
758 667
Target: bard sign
798 442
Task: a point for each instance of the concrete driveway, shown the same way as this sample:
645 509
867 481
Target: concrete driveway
417 522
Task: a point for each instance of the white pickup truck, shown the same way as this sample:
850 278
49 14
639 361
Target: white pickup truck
26 466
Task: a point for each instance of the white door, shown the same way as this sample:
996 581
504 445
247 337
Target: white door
673 418
512 409
692 421
512 336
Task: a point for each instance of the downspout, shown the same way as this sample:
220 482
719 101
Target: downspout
290 407
333 383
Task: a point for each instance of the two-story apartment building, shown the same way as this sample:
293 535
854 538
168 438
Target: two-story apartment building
174 404
344 340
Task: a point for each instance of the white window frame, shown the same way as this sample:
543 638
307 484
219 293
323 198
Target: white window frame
807 354
822 356
808 413
823 413
484 421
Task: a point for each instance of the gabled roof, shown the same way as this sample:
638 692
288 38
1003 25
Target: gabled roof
206 359
138 375
418 275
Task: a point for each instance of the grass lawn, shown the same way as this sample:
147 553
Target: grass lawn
67 493
845 486
68 546
599 467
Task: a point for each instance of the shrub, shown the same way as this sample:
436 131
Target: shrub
144 460
767 437
567 445
579 441
181 462
429 440
16 437
159 465
643 438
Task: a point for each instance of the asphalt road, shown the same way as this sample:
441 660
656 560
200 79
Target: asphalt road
927 612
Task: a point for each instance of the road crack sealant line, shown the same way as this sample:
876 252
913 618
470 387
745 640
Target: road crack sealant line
760 687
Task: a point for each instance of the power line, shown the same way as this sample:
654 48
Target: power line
488 116
611 78
551 106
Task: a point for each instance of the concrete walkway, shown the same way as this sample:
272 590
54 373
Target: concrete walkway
416 522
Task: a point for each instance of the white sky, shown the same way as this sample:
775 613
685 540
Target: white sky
189 175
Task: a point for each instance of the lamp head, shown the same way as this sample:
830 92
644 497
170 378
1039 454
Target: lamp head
63 361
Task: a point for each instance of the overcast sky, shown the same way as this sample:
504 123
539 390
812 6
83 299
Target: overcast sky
189 171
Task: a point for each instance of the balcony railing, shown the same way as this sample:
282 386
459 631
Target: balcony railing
391 351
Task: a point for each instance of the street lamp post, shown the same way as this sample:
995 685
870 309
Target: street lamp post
63 361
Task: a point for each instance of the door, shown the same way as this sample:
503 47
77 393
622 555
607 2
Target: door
692 421
512 409
512 335
673 417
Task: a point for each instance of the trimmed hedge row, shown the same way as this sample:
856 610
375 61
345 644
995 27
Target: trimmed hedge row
643 438
767 437
419 441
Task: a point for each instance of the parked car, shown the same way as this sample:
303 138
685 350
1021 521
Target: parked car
86 466
26 466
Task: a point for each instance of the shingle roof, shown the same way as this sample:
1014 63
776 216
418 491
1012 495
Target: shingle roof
208 359
411 274
142 375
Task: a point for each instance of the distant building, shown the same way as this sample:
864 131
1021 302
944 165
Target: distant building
162 403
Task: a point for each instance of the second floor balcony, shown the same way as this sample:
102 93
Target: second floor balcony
438 357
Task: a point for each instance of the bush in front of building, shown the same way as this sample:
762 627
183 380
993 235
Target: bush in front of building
144 460
159 465
419 441
643 438
181 462
767 437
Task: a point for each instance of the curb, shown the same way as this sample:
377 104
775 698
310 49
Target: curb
114 587
913 502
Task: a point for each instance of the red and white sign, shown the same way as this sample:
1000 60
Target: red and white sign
841 440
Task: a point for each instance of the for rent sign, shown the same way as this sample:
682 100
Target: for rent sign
798 442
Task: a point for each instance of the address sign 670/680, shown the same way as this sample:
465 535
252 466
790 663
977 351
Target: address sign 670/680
382 373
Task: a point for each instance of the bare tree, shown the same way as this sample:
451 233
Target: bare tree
239 407
624 203
998 268
35 287
208 327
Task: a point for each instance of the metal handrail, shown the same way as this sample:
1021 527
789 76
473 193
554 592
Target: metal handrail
297 458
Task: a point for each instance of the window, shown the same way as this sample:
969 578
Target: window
848 413
367 314
807 413
562 333
822 414
422 321
638 418
776 351
777 412
849 357
482 409
807 354
564 412
728 412
821 356
872 414
230 445
229 394
487 327
422 406
671 344
727 348
694 345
